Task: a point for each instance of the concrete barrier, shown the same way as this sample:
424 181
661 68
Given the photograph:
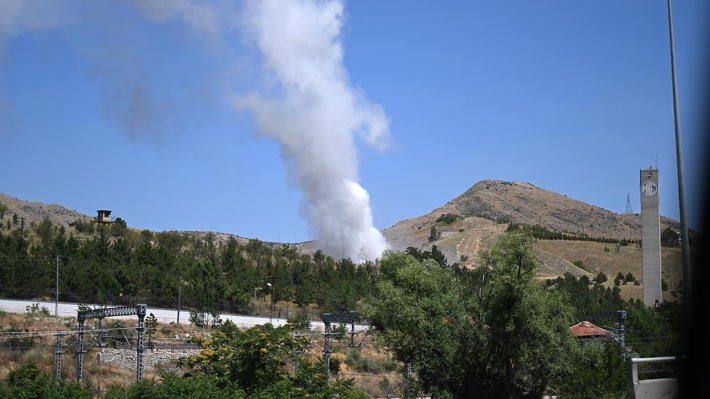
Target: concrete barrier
658 388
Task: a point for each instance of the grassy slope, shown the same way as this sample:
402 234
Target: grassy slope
627 260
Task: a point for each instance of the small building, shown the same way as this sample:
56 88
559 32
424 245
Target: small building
104 216
587 331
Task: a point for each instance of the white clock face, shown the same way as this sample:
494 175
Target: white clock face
649 188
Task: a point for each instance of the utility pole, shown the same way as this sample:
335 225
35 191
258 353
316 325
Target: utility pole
681 186
255 303
298 354
56 296
621 318
179 300
326 349
59 351
271 295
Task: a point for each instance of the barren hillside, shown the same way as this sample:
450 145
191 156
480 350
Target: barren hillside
525 203
37 211
485 209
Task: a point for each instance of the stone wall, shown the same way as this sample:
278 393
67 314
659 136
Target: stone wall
127 358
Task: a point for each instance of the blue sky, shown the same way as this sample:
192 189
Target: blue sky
573 97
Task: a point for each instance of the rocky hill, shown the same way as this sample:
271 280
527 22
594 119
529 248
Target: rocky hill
490 203
525 203
478 216
37 211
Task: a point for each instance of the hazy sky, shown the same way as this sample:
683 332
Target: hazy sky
179 115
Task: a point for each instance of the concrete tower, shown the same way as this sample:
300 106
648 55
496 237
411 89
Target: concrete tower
651 237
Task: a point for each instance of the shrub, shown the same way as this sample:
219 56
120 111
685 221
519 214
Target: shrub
334 365
669 238
340 330
29 381
36 310
300 320
448 218
366 365
601 278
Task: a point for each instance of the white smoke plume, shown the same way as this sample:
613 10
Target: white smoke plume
311 109
306 102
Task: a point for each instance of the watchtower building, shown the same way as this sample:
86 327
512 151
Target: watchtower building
104 217
651 237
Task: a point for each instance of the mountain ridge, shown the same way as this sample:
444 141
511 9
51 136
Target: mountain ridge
472 222
495 200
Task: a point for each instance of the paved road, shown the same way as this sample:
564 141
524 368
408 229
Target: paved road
164 316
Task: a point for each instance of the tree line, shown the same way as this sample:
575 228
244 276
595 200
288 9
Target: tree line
116 264
489 331
543 233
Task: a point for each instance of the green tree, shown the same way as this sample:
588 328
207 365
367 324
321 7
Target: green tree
119 227
438 256
255 361
240 277
303 284
490 332
3 208
429 322
434 235
669 237
29 382
598 371
151 326
601 278
172 386
45 231
202 288
529 332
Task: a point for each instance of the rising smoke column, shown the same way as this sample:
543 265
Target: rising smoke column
307 103
310 108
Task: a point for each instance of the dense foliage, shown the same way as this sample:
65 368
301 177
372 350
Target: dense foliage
495 331
488 331
119 266
29 382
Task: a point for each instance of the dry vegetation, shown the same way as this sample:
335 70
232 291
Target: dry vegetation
382 378
44 343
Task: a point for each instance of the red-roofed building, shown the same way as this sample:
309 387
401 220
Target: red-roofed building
587 330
